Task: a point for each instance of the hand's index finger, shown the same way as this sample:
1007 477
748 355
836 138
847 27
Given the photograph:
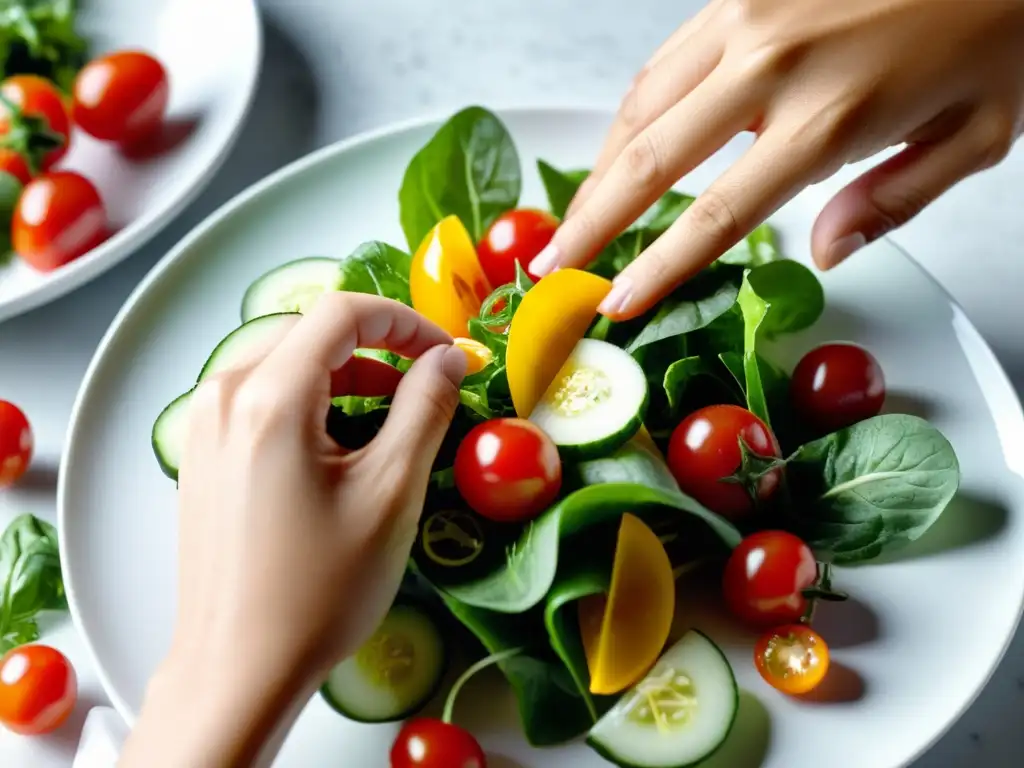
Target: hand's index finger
325 338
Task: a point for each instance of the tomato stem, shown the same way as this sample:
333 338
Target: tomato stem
494 658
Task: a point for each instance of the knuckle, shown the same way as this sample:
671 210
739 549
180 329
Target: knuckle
900 205
997 133
644 160
713 216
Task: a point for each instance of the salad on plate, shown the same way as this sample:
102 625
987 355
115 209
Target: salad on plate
592 465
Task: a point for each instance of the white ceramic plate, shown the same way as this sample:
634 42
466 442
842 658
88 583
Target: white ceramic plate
212 51
909 656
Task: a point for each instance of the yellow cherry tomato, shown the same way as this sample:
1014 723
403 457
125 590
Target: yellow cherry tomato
792 659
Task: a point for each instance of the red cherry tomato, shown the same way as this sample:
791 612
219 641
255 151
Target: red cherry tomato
508 470
793 659
38 689
14 163
765 577
517 235
836 385
428 743
705 448
121 97
37 97
15 443
59 217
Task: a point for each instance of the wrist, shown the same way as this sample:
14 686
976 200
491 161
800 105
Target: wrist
209 709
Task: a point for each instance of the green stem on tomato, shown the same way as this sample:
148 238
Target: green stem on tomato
494 658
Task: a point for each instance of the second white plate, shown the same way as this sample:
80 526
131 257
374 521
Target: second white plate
212 51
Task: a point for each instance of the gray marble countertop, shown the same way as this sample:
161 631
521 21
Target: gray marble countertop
334 68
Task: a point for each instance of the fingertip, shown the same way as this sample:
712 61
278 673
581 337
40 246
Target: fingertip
454 364
546 261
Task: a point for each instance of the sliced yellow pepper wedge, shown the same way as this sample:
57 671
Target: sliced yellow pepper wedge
446 281
478 356
625 632
552 317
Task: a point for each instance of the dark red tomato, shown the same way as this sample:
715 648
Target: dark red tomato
121 97
765 578
428 743
14 163
59 217
836 385
37 97
517 235
705 449
38 689
508 470
15 443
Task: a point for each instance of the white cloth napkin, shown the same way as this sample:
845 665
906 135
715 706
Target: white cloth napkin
103 735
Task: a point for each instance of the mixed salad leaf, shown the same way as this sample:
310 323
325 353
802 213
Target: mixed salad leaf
679 417
30 579
38 37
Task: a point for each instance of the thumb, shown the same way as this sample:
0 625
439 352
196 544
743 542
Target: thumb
421 412
891 194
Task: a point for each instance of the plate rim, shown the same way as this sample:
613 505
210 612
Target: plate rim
434 117
142 230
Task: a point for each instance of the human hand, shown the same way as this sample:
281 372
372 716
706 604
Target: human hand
821 84
292 549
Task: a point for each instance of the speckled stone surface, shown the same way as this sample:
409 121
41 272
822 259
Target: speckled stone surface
336 67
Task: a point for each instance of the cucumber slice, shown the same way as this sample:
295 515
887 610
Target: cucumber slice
240 342
595 403
676 716
292 287
169 435
394 674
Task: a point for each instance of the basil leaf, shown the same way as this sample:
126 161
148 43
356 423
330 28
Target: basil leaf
560 186
871 487
30 577
377 268
694 305
470 169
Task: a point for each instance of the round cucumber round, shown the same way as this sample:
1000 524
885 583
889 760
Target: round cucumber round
678 715
395 673
169 435
595 403
291 287
238 344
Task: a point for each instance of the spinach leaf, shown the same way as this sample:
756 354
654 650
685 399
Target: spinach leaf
470 168
776 298
682 376
561 186
871 487
377 268
664 212
38 37
634 479
757 248
577 578
621 252
31 579
692 306
549 706
794 296
788 427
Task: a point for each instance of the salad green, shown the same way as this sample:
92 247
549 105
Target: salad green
705 378
30 579
38 37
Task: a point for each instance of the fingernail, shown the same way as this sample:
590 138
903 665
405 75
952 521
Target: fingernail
842 248
453 365
545 261
618 297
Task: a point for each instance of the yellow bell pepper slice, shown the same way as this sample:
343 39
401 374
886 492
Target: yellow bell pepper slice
478 356
625 631
446 281
552 317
